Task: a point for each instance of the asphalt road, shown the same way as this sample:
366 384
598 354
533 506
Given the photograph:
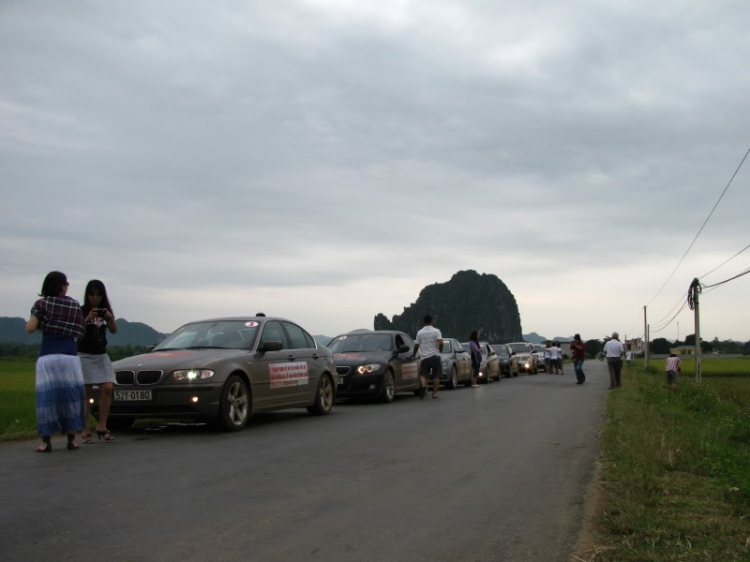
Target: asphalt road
490 474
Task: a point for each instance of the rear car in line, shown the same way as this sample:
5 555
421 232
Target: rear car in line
223 371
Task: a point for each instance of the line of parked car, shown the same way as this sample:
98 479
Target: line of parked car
224 370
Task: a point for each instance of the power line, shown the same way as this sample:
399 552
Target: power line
665 326
724 263
682 297
727 280
701 228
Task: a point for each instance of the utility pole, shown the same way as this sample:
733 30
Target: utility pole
695 287
678 331
645 336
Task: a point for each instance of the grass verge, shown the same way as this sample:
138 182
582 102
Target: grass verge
675 472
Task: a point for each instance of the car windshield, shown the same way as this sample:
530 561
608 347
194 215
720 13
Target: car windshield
222 334
538 348
447 347
501 350
519 347
361 342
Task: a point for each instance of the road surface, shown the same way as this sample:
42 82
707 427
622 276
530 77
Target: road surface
490 474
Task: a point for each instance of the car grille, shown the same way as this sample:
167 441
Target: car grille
124 377
343 370
148 377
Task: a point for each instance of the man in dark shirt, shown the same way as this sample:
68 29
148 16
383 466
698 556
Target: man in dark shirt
578 349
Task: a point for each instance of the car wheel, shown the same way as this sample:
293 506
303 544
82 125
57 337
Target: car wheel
388 390
323 397
234 405
453 383
118 424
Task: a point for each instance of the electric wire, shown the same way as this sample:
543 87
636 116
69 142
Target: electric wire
682 298
701 228
727 280
724 263
665 326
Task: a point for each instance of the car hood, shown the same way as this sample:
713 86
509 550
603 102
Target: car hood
362 357
177 359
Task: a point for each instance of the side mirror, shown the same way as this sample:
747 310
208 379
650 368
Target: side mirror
403 348
270 346
462 350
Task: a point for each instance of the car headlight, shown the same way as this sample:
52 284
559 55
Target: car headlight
526 365
191 375
371 368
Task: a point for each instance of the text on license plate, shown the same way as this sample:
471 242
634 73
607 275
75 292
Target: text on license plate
132 395
341 380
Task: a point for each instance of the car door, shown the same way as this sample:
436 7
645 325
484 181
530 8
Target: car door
493 361
307 379
463 361
277 370
406 369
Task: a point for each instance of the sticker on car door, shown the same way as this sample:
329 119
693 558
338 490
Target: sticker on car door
409 371
288 374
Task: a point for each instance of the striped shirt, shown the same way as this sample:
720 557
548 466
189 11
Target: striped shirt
673 364
59 315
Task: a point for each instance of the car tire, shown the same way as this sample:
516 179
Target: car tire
453 383
118 423
235 405
388 388
324 397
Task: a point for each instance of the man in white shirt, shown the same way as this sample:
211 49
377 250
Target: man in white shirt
553 358
429 343
614 350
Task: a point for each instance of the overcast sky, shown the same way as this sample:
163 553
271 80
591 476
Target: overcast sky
324 160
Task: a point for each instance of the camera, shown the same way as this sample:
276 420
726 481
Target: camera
102 312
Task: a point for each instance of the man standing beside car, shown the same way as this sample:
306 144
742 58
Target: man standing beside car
429 343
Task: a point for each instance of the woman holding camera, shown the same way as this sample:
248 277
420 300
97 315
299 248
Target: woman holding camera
92 349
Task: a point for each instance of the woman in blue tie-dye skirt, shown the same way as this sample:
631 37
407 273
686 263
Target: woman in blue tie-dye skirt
59 380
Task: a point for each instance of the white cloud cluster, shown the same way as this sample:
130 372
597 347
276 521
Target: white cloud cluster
326 159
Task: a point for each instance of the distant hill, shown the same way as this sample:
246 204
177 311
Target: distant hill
128 333
562 339
533 337
323 340
468 301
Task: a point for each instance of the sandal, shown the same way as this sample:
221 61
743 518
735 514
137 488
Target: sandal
88 439
45 448
106 435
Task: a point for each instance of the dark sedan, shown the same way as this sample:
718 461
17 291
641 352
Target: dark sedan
223 371
375 364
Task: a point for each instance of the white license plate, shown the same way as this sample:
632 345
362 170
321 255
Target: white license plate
341 380
132 395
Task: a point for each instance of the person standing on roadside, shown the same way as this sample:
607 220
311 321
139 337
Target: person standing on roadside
548 357
92 349
628 357
475 352
59 379
553 358
614 351
429 343
578 353
559 359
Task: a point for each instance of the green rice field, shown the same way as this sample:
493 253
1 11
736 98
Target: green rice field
17 399
729 378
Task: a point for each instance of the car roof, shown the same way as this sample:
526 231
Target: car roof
370 332
242 319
